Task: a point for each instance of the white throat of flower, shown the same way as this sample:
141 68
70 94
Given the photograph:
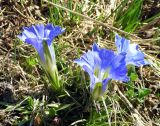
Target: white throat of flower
101 74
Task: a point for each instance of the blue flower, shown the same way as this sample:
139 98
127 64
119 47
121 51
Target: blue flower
37 34
133 55
41 37
102 65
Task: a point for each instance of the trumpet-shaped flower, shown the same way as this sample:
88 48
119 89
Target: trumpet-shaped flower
41 37
133 55
37 34
102 65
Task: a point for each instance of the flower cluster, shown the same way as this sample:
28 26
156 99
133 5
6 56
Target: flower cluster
41 37
103 65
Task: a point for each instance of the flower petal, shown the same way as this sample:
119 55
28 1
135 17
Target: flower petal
121 43
118 69
52 52
52 31
133 55
29 32
39 30
95 47
38 47
104 84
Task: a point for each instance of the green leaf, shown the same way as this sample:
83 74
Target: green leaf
133 77
58 106
158 95
30 101
54 105
131 93
143 92
128 19
31 61
61 107
50 112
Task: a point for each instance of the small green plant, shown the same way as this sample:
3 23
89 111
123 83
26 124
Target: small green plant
135 93
36 112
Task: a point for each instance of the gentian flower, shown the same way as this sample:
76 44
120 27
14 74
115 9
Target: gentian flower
102 65
37 34
133 55
41 37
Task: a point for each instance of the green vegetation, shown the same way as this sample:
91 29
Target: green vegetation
30 101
